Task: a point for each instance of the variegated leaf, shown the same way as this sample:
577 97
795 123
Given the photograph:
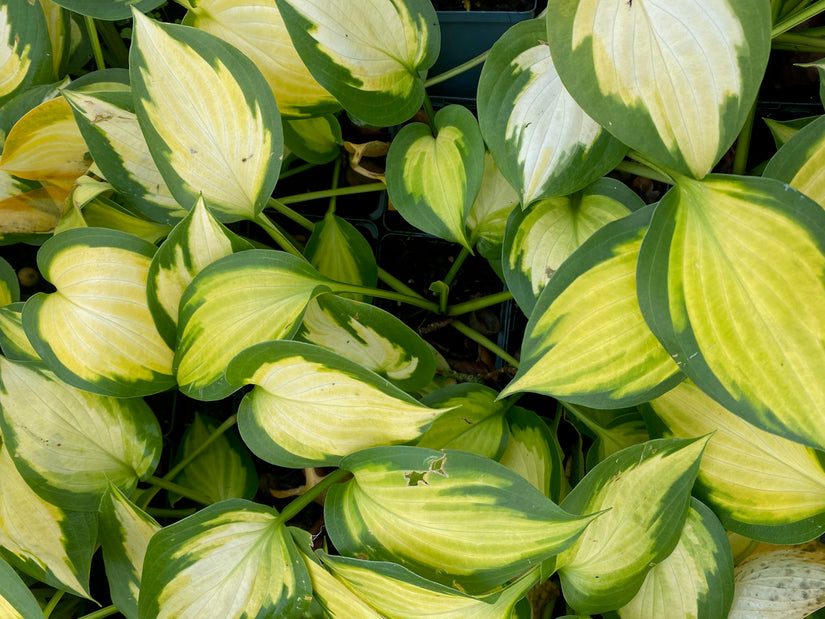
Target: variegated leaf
59 24
746 326
370 56
310 406
13 341
795 162
257 29
104 213
110 10
441 515
240 300
340 252
544 143
399 593
16 600
42 540
433 180
96 332
9 285
231 559
646 489
317 140
674 81
22 103
25 58
695 580
783 130
370 336
125 531
586 341
196 242
69 444
759 484
33 211
495 201
209 118
539 238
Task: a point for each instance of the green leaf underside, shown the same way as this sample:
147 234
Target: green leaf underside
231 559
222 138
311 406
746 326
760 485
441 514
370 336
796 162
544 143
16 601
367 55
674 82
70 444
695 580
96 332
110 10
240 300
646 489
538 239
433 180
586 341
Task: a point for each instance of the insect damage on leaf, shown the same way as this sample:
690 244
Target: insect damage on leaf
420 477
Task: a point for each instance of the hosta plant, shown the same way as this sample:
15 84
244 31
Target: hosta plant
217 405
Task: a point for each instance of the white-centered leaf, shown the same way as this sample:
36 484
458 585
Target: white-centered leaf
495 201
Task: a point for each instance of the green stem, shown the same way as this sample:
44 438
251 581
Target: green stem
296 170
476 304
390 295
466 66
114 43
159 512
792 21
327 193
103 612
743 144
287 212
181 490
278 236
798 42
295 507
428 109
396 284
639 169
94 41
336 176
459 260
478 338
47 611
664 175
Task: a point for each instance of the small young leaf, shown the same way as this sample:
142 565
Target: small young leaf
340 252
316 140
795 162
495 201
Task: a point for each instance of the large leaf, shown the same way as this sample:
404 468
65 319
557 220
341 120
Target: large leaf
759 484
16 601
732 281
232 559
647 491
209 118
795 162
544 143
111 10
674 81
441 514
240 300
24 47
433 180
256 28
96 332
69 444
310 406
586 341
695 580
368 55
539 238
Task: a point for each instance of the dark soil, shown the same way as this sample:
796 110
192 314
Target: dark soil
483 5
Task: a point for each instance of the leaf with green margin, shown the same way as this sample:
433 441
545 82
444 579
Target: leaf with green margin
433 181
673 81
116 143
256 28
787 582
16 601
235 558
370 336
340 252
476 422
197 241
104 213
22 102
795 162
311 406
542 140
223 470
819 65
125 531
42 540
316 140
695 580
731 279
646 489
25 48
223 138
397 592
109 10
784 130
495 201
612 430
759 484
441 514
69 444
586 341
370 56
237 301
13 341
9 284
96 332
539 238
